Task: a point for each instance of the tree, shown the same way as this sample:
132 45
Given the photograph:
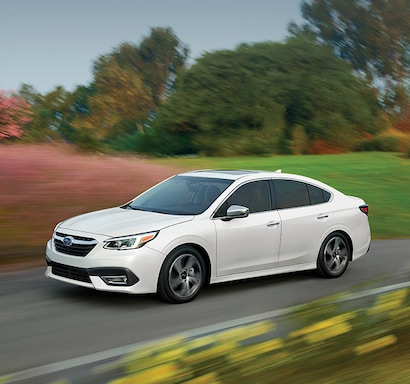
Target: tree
15 112
163 57
263 98
373 35
129 84
120 95
157 60
51 112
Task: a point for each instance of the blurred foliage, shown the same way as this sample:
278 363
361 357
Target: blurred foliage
120 95
370 341
15 112
62 183
128 85
383 143
158 59
373 35
318 92
43 184
54 113
264 98
330 340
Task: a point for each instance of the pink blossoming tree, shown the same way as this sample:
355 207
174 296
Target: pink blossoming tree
15 112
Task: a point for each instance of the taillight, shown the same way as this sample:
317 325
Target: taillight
364 208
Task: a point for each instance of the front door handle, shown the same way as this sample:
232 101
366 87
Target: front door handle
273 223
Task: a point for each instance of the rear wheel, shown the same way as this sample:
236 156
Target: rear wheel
334 255
182 275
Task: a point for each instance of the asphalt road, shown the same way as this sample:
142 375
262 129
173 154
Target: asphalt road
44 321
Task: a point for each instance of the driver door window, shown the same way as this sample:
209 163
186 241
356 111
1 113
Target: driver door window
254 195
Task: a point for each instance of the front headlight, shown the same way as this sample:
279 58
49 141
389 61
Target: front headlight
129 242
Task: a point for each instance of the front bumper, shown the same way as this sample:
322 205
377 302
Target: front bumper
134 271
111 276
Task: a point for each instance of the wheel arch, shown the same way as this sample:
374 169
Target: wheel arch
203 253
332 264
345 234
349 240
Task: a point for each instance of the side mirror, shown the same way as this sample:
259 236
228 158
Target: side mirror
236 212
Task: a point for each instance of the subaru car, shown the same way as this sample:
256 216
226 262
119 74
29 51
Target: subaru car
211 226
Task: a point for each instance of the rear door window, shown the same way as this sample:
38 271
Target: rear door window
292 193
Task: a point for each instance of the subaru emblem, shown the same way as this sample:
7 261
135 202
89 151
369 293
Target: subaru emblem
68 241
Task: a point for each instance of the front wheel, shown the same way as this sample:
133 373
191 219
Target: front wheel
334 255
182 275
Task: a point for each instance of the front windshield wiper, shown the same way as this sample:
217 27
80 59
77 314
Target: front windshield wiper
145 209
159 211
154 210
133 208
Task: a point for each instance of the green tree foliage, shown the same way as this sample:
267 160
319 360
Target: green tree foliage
264 98
157 59
163 56
120 95
130 83
373 35
52 114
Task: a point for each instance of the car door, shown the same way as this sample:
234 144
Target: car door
251 243
305 217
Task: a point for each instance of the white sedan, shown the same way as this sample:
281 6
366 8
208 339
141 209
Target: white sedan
205 227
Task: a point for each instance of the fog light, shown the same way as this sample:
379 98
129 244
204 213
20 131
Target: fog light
114 275
115 280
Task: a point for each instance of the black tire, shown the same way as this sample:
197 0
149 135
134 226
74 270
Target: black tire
334 255
182 275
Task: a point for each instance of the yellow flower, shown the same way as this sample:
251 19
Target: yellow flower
375 344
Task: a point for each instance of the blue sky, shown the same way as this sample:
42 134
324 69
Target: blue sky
46 43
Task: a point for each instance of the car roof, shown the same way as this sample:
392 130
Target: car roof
247 174
231 174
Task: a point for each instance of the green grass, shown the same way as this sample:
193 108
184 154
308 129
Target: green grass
381 179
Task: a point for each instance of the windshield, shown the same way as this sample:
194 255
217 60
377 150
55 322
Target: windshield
181 195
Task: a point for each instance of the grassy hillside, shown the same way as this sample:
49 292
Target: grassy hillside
41 185
381 179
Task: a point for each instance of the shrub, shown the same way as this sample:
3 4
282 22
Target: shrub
321 147
382 144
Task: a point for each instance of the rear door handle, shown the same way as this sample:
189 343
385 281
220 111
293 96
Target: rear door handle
321 217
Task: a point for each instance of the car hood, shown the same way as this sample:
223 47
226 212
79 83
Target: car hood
120 222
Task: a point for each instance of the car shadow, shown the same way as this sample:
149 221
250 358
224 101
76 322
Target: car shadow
94 298
259 282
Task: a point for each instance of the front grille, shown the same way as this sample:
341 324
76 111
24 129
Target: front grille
69 272
80 246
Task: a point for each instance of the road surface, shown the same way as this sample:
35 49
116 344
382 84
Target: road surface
44 321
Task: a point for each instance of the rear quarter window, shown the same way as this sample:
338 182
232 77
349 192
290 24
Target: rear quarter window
317 195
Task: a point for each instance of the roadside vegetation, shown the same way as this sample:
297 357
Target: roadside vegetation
328 343
332 86
331 340
41 185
